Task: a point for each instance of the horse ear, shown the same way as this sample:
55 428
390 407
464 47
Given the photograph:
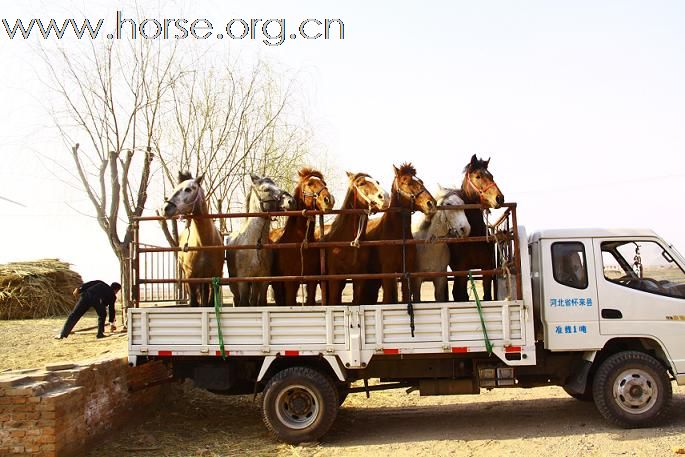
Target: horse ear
350 175
487 162
474 160
255 178
440 188
199 179
397 170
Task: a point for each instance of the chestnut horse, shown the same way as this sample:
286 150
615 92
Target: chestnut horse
310 193
363 192
478 186
264 196
408 193
188 199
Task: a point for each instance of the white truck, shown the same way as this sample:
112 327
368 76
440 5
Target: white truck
599 312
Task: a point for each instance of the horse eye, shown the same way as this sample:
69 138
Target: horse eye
187 189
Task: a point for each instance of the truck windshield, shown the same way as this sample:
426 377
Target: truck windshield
643 265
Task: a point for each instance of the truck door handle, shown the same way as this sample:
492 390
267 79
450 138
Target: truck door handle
608 313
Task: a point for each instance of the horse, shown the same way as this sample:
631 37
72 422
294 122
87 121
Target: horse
188 199
408 193
478 186
436 257
363 192
264 196
311 193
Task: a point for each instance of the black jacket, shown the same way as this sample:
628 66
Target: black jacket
101 293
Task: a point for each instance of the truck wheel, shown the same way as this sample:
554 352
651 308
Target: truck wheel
299 404
631 389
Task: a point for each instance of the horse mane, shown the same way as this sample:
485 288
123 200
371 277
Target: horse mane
184 175
476 164
306 172
407 169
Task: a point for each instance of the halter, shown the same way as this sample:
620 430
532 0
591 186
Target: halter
314 194
412 197
278 198
481 192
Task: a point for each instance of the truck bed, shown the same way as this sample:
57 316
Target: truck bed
352 334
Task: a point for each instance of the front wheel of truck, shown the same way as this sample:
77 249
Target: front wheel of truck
632 389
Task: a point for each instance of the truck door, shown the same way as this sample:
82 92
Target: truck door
569 298
642 293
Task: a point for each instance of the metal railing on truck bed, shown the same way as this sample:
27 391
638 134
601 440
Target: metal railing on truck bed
148 287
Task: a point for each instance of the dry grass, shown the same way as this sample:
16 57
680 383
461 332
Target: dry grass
42 288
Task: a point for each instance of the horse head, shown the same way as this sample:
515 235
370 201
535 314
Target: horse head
479 185
186 198
268 197
457 224
368 192
312 192
411 190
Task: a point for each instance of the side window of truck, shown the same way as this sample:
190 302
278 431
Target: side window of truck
642 265
569 264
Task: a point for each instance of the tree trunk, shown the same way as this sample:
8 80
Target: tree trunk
123 254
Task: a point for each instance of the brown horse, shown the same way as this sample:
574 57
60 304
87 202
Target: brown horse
311 193
478 186
188 199
363 192
408 193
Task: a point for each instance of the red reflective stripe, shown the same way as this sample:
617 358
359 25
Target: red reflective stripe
512 349
460 349
391 351
291 353
164 353
219 353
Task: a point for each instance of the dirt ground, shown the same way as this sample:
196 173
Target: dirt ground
30 344
543 421
192 422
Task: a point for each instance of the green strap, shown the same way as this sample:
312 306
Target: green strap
218 303
488 344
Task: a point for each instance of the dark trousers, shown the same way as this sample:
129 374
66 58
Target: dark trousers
82 305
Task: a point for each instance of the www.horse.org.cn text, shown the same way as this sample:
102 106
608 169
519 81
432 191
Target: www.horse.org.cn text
271 32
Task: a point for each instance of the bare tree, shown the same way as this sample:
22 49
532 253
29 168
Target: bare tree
112 96
226 124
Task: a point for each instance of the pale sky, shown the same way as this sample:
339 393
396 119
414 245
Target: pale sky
580 105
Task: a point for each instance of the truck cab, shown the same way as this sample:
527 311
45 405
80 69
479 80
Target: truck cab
611 292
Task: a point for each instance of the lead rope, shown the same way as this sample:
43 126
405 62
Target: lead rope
410 305
303 246
218 304
488 344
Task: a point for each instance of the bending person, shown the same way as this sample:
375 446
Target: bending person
100 296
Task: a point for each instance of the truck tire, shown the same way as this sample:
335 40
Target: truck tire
631 389
299 404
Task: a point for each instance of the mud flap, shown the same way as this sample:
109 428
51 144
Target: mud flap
577 382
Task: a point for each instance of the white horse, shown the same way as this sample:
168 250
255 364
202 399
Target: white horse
264 196
436 257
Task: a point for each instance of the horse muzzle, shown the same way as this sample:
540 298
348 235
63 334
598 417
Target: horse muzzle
169 209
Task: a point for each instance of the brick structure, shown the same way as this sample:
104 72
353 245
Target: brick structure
62 410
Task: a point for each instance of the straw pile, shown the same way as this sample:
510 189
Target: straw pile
42 288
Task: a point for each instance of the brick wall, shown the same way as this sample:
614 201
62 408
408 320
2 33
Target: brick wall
61 410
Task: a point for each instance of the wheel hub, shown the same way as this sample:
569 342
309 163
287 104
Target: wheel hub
635 391
297 407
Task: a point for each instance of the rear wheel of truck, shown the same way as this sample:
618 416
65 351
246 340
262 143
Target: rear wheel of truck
632 389
299 404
